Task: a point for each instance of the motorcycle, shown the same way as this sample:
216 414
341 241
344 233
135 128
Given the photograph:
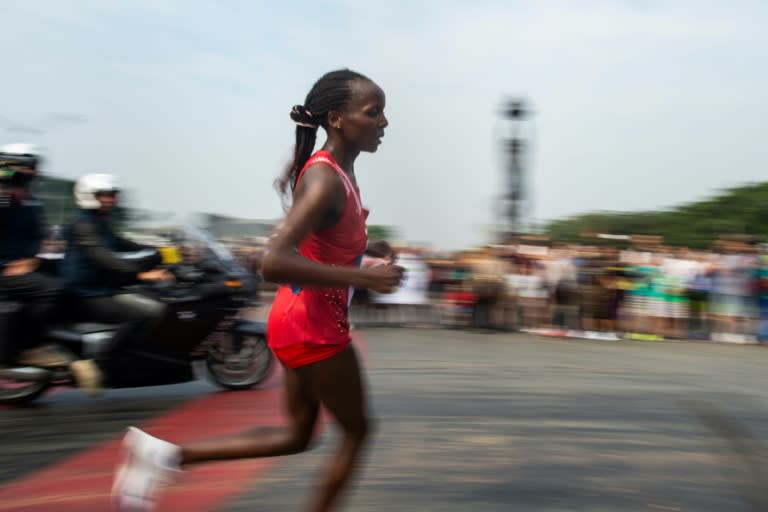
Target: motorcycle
203 322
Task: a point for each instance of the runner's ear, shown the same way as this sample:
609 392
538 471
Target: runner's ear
334 119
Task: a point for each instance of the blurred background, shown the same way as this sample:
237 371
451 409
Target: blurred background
610 148
552 171
635 106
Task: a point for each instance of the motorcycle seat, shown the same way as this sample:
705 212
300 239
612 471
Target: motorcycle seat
80 331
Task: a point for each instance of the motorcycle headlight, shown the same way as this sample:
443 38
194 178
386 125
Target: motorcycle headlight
171 255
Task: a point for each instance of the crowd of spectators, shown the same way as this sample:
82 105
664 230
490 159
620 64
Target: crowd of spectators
649 293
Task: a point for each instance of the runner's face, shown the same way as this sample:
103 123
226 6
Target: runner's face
363 120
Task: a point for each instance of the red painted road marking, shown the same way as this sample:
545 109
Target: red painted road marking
82 482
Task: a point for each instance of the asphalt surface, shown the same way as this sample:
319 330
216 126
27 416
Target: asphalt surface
477 421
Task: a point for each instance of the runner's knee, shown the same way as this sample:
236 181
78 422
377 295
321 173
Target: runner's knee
359 429
300 434
300 441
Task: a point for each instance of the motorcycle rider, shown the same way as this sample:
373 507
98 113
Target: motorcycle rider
22 231
97 267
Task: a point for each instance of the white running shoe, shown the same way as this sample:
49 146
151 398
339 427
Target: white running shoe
148 463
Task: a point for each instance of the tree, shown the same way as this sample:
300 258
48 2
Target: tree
381 232
740 210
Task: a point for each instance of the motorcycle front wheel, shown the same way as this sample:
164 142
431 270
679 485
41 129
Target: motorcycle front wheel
243 368
22 385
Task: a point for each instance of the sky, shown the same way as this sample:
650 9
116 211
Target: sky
636 104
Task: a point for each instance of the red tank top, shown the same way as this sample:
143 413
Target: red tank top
318 315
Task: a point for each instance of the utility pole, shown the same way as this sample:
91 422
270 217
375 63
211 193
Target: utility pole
515 115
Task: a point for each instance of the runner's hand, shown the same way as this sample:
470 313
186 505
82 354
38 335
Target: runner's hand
384 278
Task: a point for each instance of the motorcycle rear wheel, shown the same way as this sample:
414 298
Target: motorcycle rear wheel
242 369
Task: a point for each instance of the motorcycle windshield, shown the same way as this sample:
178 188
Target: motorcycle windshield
192 246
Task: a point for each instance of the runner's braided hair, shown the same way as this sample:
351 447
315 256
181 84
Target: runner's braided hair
331 92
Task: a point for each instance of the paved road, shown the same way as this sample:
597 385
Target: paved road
466 421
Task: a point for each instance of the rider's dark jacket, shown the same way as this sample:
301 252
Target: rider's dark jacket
21 227
97 260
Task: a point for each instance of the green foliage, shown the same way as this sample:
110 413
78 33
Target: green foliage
381 232
740 210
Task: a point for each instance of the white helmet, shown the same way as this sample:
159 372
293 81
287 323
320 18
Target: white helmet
21 153
89 185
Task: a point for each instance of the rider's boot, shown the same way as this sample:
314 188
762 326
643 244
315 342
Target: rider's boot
87 376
